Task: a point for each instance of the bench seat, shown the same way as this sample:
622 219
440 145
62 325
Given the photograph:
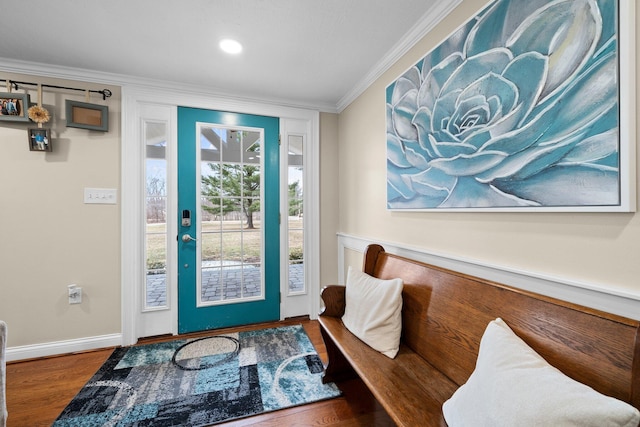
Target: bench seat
408 387
444 316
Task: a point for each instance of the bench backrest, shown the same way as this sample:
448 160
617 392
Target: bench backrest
445 314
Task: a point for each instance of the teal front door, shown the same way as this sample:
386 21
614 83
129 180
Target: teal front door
228 202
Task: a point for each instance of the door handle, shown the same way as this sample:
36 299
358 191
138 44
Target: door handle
187 238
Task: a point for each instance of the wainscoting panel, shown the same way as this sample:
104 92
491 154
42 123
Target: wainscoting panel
621 302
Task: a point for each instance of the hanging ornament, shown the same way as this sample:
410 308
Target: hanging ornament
38 113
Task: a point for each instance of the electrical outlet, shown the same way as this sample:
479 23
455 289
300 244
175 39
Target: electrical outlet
75 294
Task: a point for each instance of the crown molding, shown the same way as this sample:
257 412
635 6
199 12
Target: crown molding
429 20
97 77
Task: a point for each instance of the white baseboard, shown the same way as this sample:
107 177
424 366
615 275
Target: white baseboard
594 295
62 347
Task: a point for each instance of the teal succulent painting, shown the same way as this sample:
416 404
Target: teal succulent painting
518 108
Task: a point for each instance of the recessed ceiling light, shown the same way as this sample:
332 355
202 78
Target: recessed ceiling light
231 46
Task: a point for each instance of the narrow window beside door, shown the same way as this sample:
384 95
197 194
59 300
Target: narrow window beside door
295 181
155 136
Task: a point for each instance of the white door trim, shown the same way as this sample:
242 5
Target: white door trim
132 241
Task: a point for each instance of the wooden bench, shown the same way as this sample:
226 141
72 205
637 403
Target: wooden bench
444 316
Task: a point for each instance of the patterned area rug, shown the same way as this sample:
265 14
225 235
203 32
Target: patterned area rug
202 381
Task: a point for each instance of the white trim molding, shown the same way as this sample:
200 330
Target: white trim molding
605 298
63 347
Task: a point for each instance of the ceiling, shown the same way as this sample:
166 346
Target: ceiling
310 53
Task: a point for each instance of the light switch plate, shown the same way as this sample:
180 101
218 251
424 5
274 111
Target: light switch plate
107 196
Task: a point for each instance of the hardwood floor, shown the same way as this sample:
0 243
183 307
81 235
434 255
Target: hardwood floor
38 390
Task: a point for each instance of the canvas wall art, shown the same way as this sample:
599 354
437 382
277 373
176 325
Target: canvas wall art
519 109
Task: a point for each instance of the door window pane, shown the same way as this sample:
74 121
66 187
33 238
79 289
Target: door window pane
230 228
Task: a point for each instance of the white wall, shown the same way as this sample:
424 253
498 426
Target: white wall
595 248
329 185
49 238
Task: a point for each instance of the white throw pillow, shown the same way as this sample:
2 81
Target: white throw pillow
373 311
512 385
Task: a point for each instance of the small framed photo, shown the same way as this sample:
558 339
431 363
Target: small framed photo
14 106
39 139
87 116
